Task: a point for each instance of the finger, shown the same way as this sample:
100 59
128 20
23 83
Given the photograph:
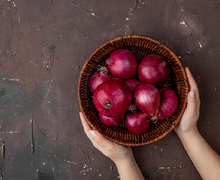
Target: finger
191 102
84 123
193 85
101 142
96 138
86 127
192 82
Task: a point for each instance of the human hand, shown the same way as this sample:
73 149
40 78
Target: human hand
188 123
115 152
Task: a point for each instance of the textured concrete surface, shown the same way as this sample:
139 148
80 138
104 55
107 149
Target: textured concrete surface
43 46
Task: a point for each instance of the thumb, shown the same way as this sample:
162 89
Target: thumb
191 100
99 141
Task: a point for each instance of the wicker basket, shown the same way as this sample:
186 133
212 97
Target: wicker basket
140 46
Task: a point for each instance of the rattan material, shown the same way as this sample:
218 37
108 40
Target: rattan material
140 46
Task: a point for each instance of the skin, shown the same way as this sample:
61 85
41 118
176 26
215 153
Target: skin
205 159
122 156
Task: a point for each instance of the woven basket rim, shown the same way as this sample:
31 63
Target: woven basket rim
138 37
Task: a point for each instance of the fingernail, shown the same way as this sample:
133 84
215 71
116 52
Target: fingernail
192 93
93 133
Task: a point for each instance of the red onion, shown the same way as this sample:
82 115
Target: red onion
132 83
122 64
154 69
111 121
168 103
132 107
147 98
137 123
98 78
113 97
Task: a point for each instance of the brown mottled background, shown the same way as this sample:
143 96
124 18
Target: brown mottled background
43 46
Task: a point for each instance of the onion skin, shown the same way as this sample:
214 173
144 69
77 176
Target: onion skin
122 64
154 69
132 107
147 98
112 98
169 103
111 121
98 78
137 123
132 83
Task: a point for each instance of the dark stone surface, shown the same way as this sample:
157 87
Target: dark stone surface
43 46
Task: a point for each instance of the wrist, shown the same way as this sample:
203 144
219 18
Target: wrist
125 156
186 131
128 159
128 169
126 163
187 135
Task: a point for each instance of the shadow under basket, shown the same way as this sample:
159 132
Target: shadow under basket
140 46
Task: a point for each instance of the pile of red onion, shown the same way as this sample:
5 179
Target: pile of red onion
132 91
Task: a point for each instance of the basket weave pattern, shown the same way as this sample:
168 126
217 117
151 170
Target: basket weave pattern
140 46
